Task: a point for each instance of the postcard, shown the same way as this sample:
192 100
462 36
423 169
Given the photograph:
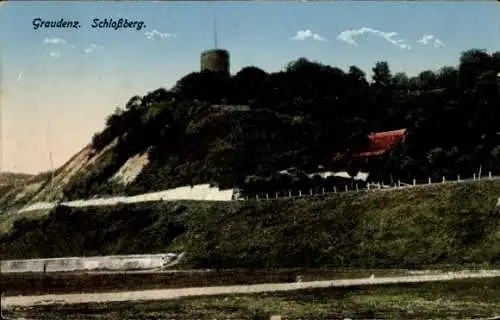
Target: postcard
249 159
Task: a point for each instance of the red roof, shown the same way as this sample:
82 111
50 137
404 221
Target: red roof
381 142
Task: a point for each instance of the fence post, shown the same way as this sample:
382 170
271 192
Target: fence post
474 176
367 186
458 178
379 186
346 189
399 183
357 187
276 195
444 179
430 181
289 193
334 189
256 197
267 196
489 175
300 193
414 182
311 192
323 189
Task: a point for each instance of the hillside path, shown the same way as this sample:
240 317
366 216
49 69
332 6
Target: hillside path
165 294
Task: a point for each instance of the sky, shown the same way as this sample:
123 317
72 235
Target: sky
58 85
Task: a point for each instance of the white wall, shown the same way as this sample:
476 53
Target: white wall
119 263
197 192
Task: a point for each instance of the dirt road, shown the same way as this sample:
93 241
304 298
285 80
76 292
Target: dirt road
164 294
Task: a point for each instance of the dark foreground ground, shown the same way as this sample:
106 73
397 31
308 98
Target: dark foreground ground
38 283
463 299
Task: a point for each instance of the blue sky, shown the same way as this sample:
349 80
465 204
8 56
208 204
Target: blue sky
58 85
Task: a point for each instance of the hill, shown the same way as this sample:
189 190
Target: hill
10 178
241 130
446 224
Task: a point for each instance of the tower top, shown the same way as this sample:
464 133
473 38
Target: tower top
215 33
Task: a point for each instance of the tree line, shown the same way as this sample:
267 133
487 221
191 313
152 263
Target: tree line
304 115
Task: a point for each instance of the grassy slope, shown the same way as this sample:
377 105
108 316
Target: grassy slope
442 300
411 228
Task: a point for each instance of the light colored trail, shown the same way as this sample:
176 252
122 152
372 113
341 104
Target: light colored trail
165 294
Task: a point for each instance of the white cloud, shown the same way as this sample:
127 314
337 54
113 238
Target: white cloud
307 34
431 39
55 41
19 77
438 43
92 48
157 34
55 54
58 43
349 35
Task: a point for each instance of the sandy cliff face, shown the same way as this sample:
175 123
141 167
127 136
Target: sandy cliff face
131 169
38 188
49 187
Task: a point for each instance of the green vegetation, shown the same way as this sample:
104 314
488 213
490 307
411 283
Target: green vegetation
448 224
443 300
302 117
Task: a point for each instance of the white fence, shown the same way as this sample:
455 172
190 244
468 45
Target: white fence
371 187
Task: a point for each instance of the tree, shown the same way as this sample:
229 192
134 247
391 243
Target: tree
382 94
447 77
157 95
401 82
250 84
427 80
381 74
133 103
207 86
472 64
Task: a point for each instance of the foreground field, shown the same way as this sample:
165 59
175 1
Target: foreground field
81 282
459 299
85 282
165 294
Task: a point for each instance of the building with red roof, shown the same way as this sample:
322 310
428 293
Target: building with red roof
381 142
